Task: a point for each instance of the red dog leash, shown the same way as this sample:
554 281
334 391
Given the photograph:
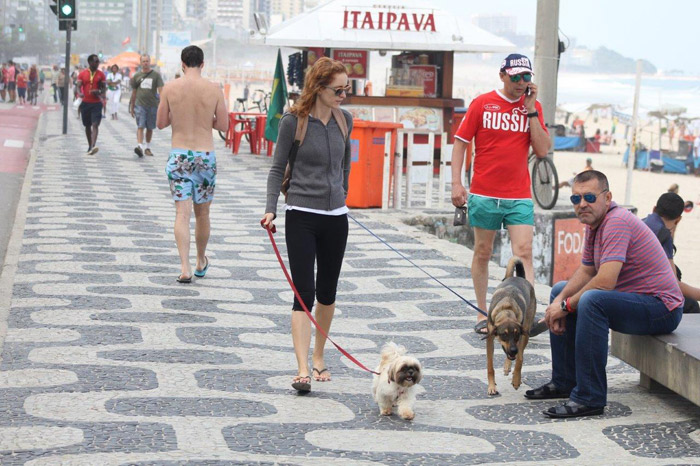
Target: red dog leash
301 301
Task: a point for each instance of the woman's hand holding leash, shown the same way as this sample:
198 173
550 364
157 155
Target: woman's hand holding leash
266 222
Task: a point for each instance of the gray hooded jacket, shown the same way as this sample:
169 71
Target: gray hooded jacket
322 167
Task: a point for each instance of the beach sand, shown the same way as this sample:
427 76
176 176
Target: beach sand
646 189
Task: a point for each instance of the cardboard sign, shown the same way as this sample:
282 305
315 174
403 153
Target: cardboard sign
569 235
355 61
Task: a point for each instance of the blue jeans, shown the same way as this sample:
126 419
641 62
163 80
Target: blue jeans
579 355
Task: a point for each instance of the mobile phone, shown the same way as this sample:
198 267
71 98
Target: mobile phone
527 90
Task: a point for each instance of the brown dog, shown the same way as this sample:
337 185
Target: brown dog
510 319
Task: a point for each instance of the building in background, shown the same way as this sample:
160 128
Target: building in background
230 13
498 24
111 11
15 13
286 9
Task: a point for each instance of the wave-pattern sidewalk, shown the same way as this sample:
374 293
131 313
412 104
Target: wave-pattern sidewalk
107 360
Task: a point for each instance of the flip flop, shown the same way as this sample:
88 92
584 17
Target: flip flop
481 327
181 279
317 377
203 272
302 384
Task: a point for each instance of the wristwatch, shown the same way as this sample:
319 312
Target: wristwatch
533 114
566 307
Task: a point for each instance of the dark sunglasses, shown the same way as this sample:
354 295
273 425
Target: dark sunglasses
588 197
339 90
527 77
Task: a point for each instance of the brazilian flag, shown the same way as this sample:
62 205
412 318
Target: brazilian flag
278 100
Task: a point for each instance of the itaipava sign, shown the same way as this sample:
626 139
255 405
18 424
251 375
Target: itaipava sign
389 20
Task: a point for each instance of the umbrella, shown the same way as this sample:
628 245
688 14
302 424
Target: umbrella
125 59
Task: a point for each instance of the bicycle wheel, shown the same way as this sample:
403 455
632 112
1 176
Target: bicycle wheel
545 183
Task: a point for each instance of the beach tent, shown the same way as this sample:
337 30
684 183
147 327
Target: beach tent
388 25
125 60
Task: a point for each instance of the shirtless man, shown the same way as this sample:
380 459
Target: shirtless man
193 106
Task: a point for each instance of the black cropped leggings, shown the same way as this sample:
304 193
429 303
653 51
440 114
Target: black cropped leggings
315 238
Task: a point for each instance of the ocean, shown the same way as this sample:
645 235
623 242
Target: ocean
576 91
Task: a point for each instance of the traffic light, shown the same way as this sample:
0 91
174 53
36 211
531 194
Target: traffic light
63 25
66 9
99 55
20 29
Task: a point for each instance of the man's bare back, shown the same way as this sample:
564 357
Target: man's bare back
193 106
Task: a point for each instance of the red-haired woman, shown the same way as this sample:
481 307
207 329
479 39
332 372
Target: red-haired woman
316 223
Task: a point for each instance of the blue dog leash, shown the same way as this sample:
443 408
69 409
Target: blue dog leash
418 266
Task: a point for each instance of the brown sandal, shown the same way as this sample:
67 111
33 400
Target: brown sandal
318 378
302 384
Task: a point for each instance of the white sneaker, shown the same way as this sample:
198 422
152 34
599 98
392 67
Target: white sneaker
93 151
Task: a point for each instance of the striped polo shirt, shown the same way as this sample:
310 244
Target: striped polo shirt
623 237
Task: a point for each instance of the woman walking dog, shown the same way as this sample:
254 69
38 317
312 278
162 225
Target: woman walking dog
316 185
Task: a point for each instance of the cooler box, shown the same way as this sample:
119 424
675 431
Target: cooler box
367 162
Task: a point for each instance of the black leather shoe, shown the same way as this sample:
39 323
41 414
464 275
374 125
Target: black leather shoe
547 391
572 409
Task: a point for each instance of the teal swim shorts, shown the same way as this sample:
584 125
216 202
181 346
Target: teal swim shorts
192 175
490 213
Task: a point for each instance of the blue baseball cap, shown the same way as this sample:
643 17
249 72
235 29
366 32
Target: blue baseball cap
516 63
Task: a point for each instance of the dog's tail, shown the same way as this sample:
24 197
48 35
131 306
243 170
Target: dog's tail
515 264
391 351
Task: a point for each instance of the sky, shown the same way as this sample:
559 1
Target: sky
664 32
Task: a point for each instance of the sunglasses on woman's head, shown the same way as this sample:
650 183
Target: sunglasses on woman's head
339 90
588 197
527 77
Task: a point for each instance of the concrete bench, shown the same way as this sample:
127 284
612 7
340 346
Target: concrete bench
671 361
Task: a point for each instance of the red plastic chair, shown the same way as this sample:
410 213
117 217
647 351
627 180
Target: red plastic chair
242 127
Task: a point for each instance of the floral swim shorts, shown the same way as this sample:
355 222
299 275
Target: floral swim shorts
192 175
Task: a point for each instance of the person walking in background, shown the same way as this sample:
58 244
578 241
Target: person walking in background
316 223
60 84
146 86
114 91
3 82
663 222
91 87
54 83
193 106
503 124
33 85
11 82
21 80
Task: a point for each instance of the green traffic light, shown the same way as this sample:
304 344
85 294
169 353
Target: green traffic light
20 29
66 9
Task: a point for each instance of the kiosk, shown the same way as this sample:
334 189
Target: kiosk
422 41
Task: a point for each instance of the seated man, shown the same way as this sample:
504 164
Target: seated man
624 283
668 211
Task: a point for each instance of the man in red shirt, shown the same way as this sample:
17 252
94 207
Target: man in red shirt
91 87
503 124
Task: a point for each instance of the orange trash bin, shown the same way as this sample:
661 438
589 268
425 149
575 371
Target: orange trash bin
367 162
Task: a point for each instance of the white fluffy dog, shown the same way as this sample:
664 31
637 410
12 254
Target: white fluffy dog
396 382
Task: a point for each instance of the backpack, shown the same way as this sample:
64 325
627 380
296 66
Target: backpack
302 124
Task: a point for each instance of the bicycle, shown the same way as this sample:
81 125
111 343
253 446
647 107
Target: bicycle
543 177
545 181
263 102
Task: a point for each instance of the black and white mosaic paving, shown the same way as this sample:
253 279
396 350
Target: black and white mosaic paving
107 360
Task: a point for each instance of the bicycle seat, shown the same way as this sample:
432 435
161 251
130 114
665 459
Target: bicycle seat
241 99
